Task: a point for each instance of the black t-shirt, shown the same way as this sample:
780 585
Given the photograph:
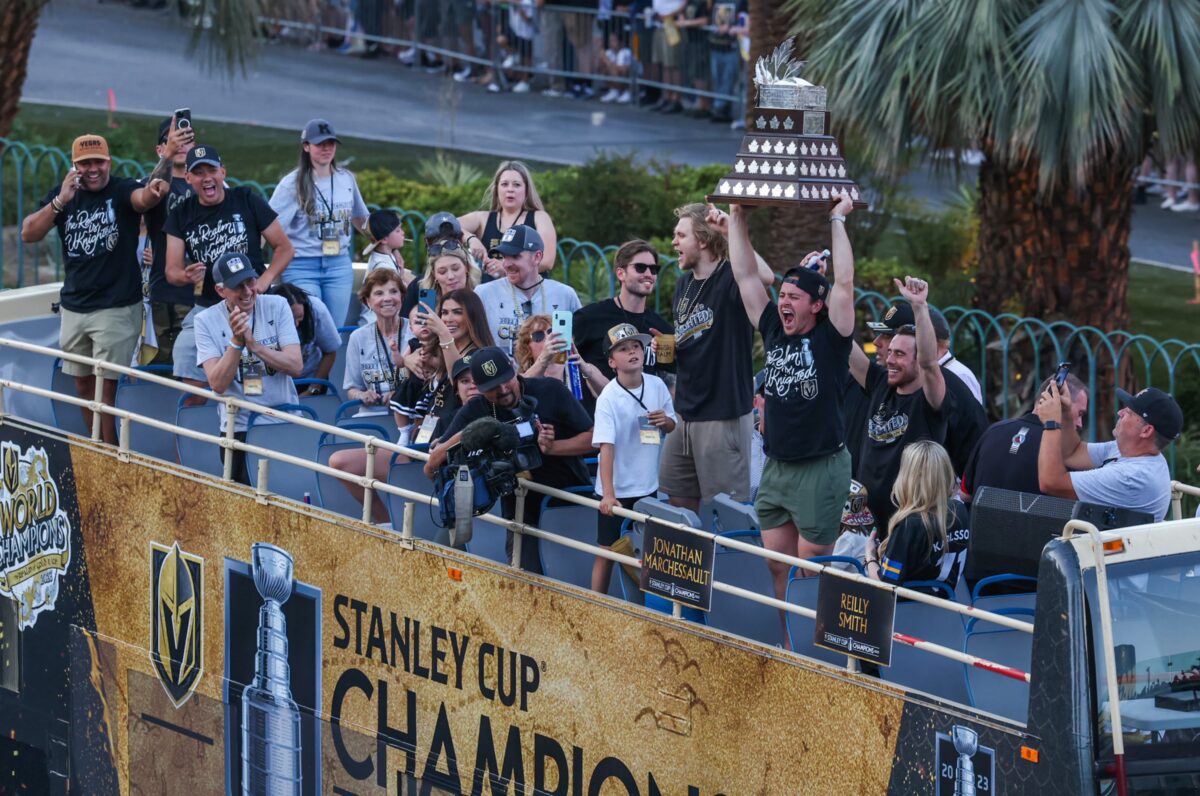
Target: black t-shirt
714 348
856 405
965 420
590 327
1006 457
156 217
911 556
234 225
805 376
555 407
893 421
724 12
99 232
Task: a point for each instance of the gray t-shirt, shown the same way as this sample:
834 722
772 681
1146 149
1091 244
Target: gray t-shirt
325 338
1140 483
507 307
336 199
273 326
369 364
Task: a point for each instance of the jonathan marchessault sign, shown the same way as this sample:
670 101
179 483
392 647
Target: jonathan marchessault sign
855 618
678 565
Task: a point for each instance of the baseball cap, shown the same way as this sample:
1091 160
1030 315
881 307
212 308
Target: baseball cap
622 332
318 131
518 238
199 155
232 269
811 282
463 365
441 225
89 147
164 129
491 367
941 327
897 315
380 224
1157 408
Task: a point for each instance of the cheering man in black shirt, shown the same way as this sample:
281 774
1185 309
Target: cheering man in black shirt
905 400
563 427
101 299
806 340
636 267
709 450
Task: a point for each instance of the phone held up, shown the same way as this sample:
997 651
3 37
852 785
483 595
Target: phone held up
183 119
562 324
1060 378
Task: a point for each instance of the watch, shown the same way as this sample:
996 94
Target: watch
1052 425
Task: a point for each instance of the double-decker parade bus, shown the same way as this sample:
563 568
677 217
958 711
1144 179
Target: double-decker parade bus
164 630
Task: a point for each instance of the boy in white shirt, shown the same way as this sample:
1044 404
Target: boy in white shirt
633 412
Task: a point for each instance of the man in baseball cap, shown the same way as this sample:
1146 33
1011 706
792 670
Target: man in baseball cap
547 409
1130 471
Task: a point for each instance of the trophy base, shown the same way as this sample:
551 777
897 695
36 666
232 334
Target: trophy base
797 204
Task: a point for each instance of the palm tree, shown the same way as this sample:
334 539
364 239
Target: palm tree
18 22
1063 97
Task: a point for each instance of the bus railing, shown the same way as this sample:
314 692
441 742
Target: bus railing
371 484
1178 490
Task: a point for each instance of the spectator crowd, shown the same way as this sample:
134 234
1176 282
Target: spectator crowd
837 450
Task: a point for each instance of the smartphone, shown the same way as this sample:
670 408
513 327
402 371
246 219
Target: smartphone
1060 378
561 324
183 118
428 297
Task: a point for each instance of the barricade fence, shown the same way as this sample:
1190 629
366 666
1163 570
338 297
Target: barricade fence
522 45
1010 354
371 485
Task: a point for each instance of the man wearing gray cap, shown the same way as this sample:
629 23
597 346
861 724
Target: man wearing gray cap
248 346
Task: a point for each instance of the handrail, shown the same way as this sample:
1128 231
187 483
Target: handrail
1178 490
370 484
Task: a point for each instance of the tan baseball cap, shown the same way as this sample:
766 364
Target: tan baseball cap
89 147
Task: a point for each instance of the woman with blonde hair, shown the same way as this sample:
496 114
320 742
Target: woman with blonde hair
511 199
535 353
928 535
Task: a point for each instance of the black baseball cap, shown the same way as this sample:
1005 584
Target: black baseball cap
199 155
318 131
164 129
897 315
232 269
811 282
941 327
519 238
462 366
380 224
490 368
442 225
1157 408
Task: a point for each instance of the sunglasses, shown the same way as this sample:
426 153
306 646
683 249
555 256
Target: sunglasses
539 336
444 246
642 268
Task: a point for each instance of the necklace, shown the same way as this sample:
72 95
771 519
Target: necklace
687 304
518 309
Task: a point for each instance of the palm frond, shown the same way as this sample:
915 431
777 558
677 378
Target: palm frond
224 33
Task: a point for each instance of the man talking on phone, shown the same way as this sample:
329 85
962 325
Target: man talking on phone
564 434
101 300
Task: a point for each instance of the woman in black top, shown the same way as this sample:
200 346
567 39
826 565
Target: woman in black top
928 535
512 198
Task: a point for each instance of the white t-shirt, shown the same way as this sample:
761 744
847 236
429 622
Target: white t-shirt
620 58
369 364
337 201
505 310
963 372
635 464
273 326
1141 483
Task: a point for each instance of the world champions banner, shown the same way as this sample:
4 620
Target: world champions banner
418 665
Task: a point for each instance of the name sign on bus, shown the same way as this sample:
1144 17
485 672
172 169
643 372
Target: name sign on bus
678 565
855 618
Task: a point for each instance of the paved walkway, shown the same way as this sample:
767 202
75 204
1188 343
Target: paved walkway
84 48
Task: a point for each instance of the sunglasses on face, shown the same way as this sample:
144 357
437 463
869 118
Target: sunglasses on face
642 268
539 336
444 246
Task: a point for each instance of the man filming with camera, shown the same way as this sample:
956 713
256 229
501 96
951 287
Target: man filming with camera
545 413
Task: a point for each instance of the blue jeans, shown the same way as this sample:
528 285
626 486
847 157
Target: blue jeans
723 73
331 279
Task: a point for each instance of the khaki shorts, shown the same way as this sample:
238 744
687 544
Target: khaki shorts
109 335
810 494
705 458
661 51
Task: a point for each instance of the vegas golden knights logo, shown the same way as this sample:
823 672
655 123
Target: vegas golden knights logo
12 464
176 619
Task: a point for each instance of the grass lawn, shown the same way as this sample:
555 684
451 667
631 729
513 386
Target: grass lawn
249 152
1158 303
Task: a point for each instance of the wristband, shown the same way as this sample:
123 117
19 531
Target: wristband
238 348
446 345
56 205
838 217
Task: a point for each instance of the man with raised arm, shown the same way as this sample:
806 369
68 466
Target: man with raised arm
807 341
905 400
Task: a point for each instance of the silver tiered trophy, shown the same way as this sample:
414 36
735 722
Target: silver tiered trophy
966 743
270 718
787 156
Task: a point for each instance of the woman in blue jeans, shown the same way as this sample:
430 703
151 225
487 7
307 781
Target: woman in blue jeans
317 204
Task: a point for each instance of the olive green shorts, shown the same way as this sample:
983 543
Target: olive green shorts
810 494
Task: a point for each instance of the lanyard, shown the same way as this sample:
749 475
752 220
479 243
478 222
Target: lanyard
637 397
518 309
384 355
321 196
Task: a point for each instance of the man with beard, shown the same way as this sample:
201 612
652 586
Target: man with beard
201 228
636 268
248 346
905 400
101 299
806 343
709 450
564 434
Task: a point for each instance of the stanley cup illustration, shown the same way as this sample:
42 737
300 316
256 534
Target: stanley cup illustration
270 718
966 743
